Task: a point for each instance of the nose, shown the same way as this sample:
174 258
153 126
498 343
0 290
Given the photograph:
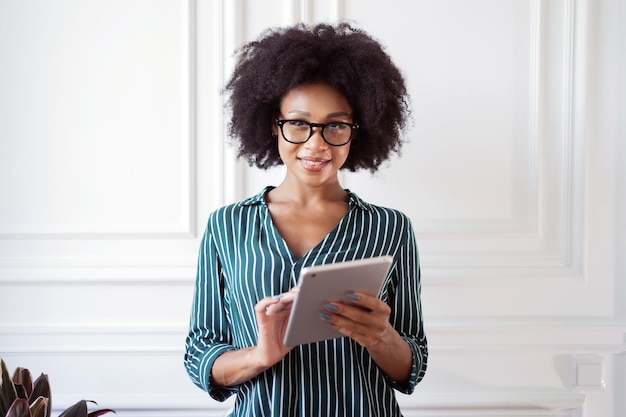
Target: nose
316 141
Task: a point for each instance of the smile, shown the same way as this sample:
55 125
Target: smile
313 164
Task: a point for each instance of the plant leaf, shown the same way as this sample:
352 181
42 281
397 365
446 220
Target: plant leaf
20 390
7 393
80 410
77 410
100 412
41 388
19 408
39 407
23 377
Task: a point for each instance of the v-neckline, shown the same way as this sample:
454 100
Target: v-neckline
285 246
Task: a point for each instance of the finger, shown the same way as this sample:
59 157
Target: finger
347 312
364 335
279 307
367 330
265 303
367 303
284 301
354 321
288 297
281 303
358 313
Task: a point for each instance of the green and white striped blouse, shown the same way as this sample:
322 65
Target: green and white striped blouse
243 259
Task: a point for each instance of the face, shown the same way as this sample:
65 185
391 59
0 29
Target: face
314 162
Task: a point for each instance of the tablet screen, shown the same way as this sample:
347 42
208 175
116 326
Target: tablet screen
321 284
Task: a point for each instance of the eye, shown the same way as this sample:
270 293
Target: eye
335 126
299 124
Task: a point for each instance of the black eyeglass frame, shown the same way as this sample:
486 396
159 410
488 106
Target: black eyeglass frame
353 128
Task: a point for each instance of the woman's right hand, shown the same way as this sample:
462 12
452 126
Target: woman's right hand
236 366
272 315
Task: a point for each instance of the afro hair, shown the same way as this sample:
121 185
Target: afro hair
342 56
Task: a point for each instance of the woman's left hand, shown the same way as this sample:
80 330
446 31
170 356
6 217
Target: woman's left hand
361 317
365 319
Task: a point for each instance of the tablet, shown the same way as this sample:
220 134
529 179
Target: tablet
321 284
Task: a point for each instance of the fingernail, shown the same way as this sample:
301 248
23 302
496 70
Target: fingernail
277 297
353 297
325 316
330 307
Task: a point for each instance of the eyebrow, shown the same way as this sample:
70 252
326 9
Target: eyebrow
329 115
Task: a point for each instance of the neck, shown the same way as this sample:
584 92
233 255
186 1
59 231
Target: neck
303 194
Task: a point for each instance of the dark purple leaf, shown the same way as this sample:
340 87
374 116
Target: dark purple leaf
19 408
21 392
77 410
80 410
100 412
7 393
41 388
22 377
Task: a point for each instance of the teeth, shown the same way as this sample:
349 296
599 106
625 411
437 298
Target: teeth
313 162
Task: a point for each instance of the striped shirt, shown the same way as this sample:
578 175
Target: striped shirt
243 258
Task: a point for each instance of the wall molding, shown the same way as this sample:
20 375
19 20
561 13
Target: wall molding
100 271
496 402
539 403
228 169
167 339
186 226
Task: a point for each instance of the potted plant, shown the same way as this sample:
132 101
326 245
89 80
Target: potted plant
20 396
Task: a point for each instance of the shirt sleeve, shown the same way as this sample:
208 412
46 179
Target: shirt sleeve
209 334
405 302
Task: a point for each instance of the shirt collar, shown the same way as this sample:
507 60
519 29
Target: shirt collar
355 200
256 199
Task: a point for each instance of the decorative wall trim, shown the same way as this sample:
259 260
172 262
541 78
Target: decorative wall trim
295 11
569 135
525 404
184 230
191 200
497 402
556 230
186 227
167 339
337 12
545 237
176 404
105 271
229 171
527 334
305 8
536 35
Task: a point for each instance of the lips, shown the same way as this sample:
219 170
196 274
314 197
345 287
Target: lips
313 164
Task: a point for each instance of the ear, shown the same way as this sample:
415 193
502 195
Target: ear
274 128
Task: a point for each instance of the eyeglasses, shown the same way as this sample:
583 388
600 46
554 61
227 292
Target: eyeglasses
333 133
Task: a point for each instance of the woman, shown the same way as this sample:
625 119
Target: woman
316 99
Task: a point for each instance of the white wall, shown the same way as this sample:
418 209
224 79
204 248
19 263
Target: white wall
112 154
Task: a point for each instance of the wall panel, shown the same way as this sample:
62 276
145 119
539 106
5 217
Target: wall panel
104 110
99 214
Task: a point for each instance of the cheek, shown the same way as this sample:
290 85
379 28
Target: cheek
284 148
343 153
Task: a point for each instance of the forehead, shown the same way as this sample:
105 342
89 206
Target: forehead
314 96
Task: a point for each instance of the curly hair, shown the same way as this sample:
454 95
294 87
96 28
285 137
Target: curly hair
344 57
